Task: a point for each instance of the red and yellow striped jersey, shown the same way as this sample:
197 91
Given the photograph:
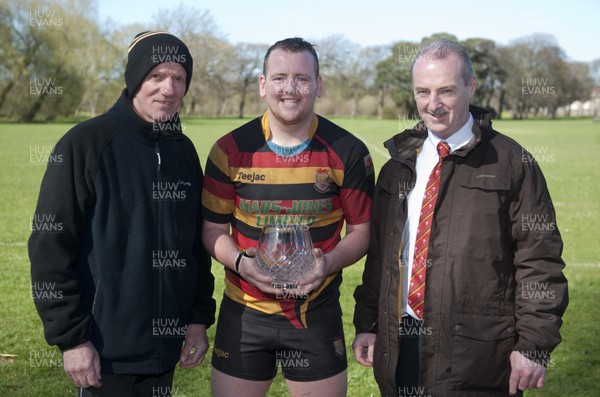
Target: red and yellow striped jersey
250 185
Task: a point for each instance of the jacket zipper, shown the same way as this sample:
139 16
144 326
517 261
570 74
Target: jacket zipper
159 209
157 150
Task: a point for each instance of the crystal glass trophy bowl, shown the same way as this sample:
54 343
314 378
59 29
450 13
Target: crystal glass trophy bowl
285 252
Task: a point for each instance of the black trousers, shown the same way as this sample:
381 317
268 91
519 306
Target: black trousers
407 369
154 385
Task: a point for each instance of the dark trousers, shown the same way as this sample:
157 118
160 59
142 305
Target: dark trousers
155 385
407 369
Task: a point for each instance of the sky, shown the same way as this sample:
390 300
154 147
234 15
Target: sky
574 23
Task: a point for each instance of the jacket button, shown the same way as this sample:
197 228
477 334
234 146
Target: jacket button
511 330
458 328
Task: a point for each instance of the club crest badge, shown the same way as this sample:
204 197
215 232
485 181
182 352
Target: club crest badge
338 344
322 180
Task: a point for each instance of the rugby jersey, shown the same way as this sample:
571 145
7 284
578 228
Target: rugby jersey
249 185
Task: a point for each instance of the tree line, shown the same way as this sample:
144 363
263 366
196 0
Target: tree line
57 59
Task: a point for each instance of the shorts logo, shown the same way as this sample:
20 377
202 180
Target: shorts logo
338 344
322 180
220 353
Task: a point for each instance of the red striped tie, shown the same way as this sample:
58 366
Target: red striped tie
416 290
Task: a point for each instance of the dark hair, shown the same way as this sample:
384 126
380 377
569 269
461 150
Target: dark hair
293 45
441 49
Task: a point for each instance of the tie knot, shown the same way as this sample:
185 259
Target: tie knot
443 149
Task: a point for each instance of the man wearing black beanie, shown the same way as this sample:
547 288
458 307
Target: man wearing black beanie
123 284
148 50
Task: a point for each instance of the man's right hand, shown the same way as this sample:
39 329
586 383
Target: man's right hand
82 365
363 347
250 272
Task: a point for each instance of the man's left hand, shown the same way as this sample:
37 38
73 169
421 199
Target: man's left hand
194 347
524 374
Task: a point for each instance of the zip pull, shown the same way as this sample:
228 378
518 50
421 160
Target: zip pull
157 156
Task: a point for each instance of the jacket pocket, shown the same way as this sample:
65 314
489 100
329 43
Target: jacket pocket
481 347
122 326
492 179
478 214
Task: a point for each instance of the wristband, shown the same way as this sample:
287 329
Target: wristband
238 260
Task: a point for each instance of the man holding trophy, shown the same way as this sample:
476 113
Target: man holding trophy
290 179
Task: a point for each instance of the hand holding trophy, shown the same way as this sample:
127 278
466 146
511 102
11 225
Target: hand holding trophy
285 253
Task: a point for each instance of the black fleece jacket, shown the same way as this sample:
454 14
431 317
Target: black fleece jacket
116 252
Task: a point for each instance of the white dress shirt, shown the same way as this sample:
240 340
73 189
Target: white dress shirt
427 158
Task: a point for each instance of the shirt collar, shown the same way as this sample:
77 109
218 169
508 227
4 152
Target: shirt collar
456 140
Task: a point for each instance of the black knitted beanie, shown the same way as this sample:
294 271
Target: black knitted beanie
150 49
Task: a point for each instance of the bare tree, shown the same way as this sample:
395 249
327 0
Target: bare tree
248 62
57 58
349 71
540 80
361 75
186 22
199 30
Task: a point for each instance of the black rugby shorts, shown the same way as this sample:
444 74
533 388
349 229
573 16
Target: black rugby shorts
253 345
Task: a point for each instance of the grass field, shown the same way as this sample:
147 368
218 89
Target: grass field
567 150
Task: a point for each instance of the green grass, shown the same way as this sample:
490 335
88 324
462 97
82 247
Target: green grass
568 154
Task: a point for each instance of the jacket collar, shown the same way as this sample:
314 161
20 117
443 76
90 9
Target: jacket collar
405 146
145 129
